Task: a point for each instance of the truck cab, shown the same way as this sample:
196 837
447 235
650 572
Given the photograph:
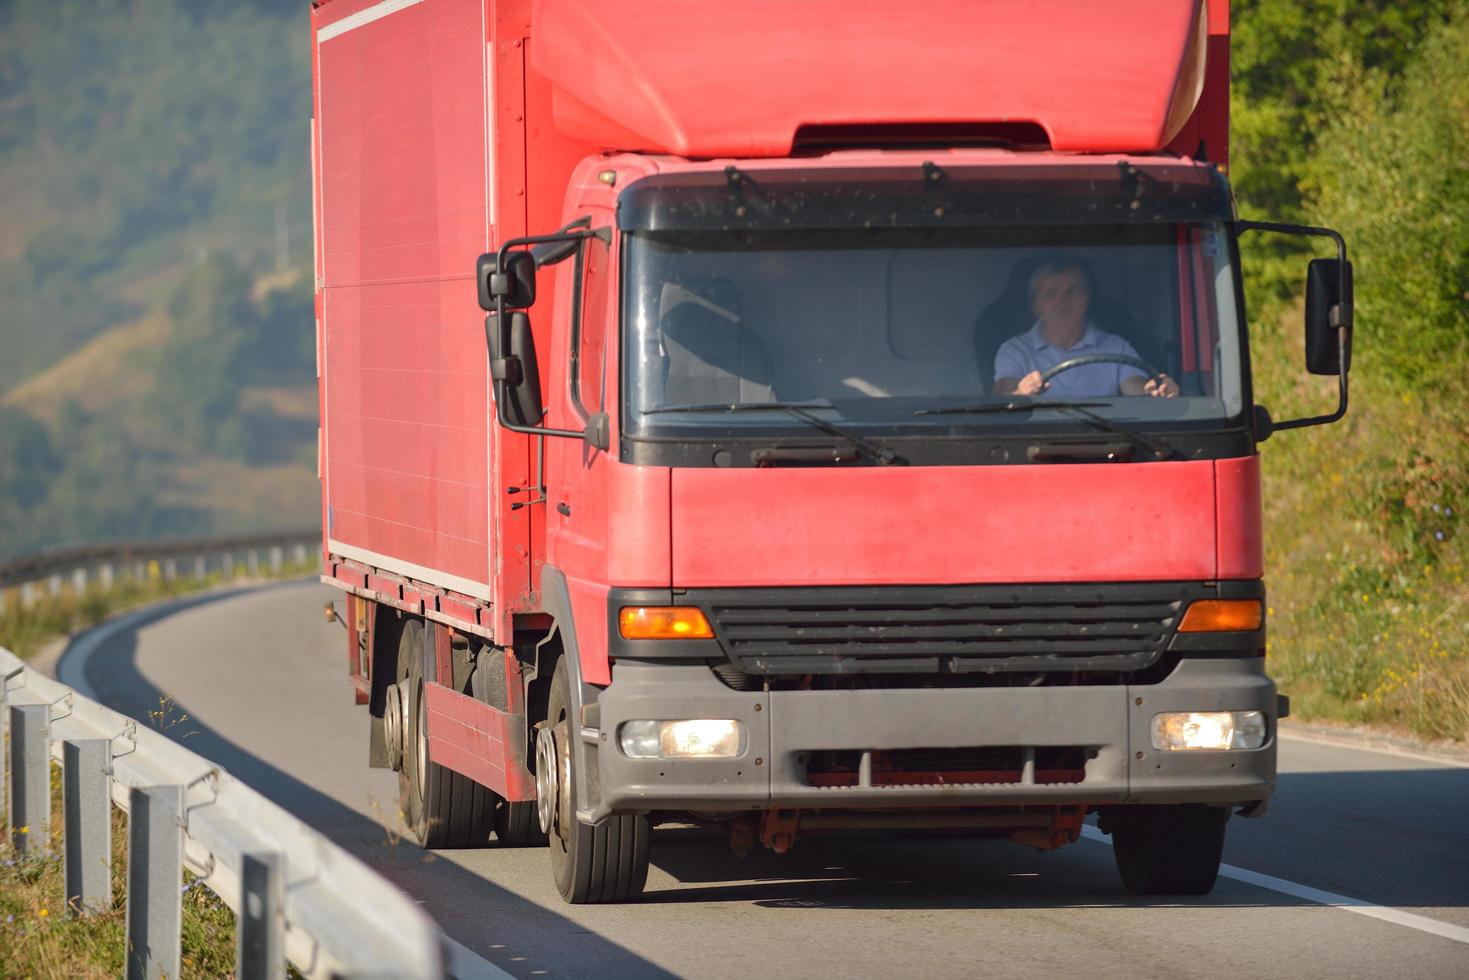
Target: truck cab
890 453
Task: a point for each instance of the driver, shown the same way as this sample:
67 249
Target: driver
1059 297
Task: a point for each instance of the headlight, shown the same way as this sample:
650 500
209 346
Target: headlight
699 738
1216 730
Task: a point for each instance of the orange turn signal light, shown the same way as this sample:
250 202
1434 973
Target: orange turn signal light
663 623
1222 616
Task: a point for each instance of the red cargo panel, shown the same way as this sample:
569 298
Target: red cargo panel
404 202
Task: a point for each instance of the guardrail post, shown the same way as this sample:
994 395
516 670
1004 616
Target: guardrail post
155 881
79 580
30 779
298 553
86 837
252 562
5 749
53 584
199 570
27 594
277 559
105 575
170 569
261 950
227 565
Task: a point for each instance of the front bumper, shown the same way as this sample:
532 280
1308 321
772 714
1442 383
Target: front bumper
1111 722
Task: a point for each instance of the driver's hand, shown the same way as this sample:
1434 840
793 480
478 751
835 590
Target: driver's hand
1031 384
1164 387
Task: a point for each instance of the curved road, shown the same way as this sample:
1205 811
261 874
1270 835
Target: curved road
255 679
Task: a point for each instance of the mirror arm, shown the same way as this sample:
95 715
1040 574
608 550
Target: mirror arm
1343 343
501 368
573 232
1341 317
536 430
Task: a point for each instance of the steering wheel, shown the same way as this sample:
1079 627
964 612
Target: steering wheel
1083 360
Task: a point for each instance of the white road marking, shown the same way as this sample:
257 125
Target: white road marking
71 669
1458 934
1351 745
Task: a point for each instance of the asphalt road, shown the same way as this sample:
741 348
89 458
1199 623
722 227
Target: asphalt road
256 681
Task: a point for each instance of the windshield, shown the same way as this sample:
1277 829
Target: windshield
900 332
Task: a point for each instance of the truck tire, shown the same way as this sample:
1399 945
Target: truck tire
1168 850
516 825
442 808
590 863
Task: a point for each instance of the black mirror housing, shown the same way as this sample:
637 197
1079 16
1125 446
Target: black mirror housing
516 285
1328 307
515 371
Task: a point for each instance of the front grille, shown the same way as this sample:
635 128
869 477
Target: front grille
977 766
947 629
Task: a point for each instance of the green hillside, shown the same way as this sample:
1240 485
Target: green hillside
156 326
154 264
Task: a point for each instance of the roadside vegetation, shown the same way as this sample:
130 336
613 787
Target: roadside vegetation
39 937
1356 115
157 368
25 631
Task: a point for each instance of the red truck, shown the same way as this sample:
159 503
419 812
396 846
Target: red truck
796 419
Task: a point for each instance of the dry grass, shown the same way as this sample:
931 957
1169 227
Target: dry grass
39 937
98 377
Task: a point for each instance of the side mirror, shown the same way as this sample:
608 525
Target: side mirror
515 371
516 286
1328 308
1328 322
504 291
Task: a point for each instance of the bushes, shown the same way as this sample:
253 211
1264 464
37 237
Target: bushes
1367 551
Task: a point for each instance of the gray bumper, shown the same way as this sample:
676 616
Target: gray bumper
782 727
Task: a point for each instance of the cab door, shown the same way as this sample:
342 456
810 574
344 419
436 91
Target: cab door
577 527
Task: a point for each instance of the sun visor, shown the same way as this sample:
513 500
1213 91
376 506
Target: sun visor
743 79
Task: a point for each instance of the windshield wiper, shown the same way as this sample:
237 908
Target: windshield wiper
1081 410
800 410
995 408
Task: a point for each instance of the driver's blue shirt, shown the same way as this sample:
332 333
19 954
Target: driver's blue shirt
1030 351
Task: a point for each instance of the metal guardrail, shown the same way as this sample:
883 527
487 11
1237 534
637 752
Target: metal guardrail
296 894
49 572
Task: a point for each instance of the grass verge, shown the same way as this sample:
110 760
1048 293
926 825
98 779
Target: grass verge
1366 554
40 937
24 631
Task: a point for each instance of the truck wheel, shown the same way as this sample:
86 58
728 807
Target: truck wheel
1169 850
442 808
591 863
517 825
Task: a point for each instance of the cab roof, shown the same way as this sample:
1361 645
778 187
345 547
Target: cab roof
760 77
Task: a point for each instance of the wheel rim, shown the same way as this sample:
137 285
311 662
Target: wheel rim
421 749
393 726
546 781
563 782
